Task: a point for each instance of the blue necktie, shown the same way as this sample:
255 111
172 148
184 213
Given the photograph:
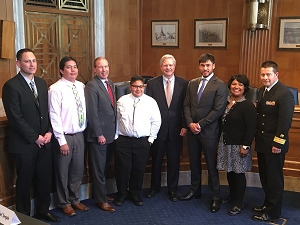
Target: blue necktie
201 89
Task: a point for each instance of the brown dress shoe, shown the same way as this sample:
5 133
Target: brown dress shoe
109 199
69 211
106 207
80 207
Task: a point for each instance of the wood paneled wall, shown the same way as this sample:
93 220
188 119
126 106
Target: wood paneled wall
122 38
7 66
245 53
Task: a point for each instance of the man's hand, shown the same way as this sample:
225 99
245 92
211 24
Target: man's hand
47 137
183 132
195 128
276 150
64 149
101 140
40 141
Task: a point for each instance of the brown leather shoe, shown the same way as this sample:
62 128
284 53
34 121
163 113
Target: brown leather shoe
80 207
69 211
109 199
105 207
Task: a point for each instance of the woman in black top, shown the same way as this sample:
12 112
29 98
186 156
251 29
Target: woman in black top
238 130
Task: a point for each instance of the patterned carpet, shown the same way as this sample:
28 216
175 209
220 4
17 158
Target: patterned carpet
161 211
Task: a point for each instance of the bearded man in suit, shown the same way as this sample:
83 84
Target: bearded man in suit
25 100
204 105
169 91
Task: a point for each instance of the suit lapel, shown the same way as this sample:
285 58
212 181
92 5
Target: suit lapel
161 89
27 89
103 88
207 87
177 89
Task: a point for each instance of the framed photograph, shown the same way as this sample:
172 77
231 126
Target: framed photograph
211 33
165 33
289 33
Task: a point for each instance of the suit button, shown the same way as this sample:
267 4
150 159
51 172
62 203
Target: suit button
41 117
263 115
263 124
262 132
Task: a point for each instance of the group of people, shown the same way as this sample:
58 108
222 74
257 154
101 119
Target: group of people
221 126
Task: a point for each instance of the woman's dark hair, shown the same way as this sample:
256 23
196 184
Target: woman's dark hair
241 78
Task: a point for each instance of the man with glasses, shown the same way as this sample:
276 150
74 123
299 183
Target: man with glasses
138 122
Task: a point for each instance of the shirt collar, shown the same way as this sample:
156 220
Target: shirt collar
269 88
208 77
166 79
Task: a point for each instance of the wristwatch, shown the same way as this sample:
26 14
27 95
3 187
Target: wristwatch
246 147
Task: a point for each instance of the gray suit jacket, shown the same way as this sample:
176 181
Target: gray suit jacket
101 113
209 109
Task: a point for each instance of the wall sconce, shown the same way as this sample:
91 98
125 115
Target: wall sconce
259 14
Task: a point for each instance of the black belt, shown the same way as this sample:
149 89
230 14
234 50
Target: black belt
71 134
132 138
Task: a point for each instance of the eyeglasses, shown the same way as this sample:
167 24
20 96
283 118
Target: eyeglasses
138 86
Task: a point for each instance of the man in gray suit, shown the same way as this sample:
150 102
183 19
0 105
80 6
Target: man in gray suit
101 115
203 106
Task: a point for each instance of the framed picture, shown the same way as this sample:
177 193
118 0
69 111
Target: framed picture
211 33
289 33
165 33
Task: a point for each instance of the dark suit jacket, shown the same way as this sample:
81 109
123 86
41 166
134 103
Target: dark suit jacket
274 117
27 120
101 114
210 107
172 118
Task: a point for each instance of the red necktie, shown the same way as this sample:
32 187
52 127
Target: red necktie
110 93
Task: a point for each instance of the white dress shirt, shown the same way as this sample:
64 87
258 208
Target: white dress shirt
63 109
146 114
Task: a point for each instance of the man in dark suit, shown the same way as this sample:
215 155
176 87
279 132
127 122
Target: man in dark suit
101 115
275 109
203 106
169 91
25 100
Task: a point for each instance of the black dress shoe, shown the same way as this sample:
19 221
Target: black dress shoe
259 208
189 196
264 217
215 206
234 211
119 200
136 200
48 216
173 196
150 193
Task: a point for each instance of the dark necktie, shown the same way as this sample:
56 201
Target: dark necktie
265 92
110 93
201 89
34 91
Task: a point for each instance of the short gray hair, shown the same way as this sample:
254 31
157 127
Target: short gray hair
167 56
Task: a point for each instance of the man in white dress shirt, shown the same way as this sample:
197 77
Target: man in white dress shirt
68 118
138 122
